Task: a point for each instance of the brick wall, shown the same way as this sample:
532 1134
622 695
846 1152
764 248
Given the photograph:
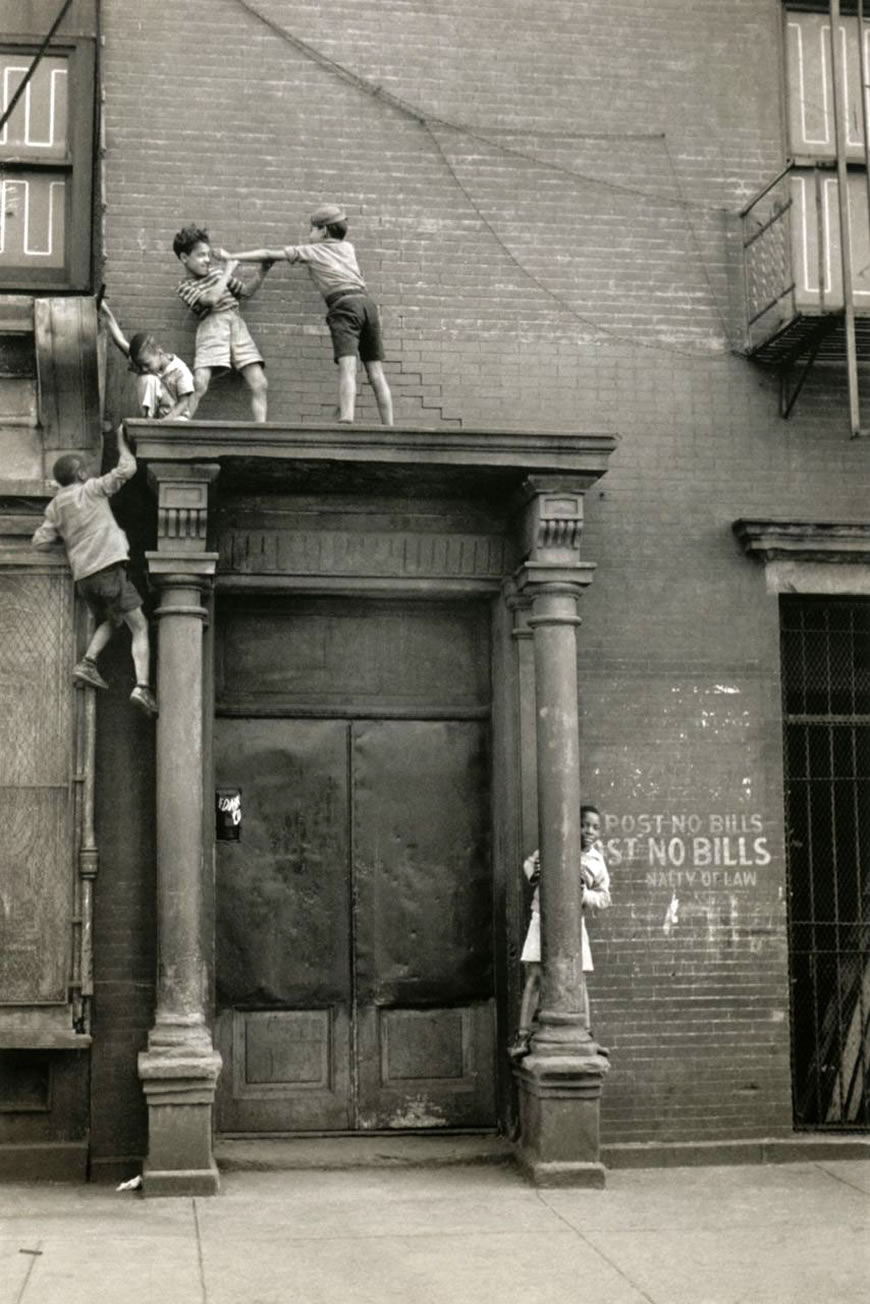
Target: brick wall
552 250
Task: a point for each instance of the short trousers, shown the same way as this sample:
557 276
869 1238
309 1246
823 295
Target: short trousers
109 593
223 341
355 326
153 396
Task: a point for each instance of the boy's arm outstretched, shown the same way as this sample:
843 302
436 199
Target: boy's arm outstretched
114 329
109 484
254 256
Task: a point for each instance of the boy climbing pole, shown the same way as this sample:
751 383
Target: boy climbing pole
79 517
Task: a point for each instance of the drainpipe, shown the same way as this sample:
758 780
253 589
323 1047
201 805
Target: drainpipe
89 857
865 87
840 128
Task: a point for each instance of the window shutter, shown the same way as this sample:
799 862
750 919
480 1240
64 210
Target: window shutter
809 85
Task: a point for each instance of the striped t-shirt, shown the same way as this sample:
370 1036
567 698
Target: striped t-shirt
192 288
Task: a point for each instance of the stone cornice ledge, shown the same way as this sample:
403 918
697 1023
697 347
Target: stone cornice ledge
805 541
582 455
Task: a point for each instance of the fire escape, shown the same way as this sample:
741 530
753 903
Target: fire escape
806 234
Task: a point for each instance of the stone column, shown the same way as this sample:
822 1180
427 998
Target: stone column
560 1081
180 1068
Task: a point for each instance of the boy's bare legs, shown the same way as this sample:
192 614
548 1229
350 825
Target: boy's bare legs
346 387
102 634
528 1010
201 378
255 378
141 695
531 997
138 627
383 397
85 671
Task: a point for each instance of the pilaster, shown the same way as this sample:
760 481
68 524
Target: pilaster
180 1068
560 1081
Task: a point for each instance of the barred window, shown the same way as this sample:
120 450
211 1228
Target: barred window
826 716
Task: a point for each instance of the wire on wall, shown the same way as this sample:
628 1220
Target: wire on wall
429 120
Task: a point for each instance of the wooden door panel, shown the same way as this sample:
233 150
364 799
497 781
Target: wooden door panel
283 927
284 1070
423 927
426 1067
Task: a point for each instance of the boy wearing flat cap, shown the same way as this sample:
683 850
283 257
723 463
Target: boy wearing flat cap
351 314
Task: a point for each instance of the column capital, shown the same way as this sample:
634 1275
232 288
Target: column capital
178 567
551 518
537 578
182 579
519 605
182 504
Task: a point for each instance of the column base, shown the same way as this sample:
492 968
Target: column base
592 1176
179 1091
180 1181
560 1099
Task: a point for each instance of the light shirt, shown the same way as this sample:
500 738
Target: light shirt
159 393
192 288
81 517
331 264
598 886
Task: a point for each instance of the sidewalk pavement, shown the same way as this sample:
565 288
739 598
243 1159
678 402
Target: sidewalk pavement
778 1234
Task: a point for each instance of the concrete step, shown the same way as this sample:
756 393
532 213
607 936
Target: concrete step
799 1148
277 1154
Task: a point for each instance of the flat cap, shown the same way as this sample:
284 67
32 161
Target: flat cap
327 214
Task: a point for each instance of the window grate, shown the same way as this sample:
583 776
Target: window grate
826 715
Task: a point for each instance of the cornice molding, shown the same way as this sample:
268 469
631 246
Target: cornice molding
483 454
838 542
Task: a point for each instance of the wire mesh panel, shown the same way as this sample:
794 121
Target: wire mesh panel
36 872
826 712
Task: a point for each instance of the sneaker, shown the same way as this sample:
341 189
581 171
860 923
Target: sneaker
86 672
142 697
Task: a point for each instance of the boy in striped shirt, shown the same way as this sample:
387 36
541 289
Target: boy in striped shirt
223 341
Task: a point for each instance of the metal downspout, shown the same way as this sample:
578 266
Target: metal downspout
838 78
88 853
864 74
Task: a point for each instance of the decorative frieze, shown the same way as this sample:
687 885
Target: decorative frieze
365 553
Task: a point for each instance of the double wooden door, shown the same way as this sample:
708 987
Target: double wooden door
354 970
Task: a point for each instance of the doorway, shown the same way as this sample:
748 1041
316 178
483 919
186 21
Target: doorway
354 970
